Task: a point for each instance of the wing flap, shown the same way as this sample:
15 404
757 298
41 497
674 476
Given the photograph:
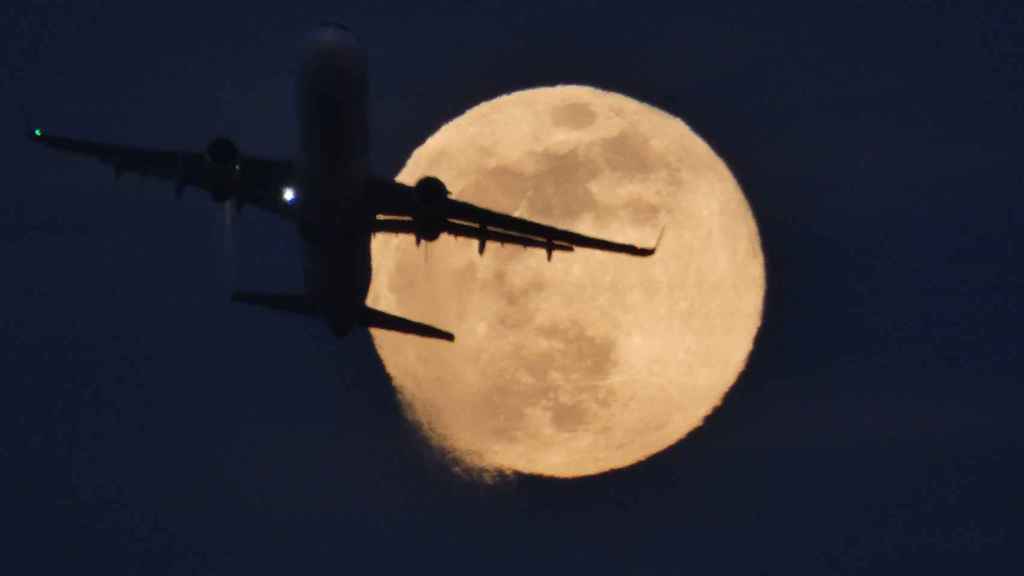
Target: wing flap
258 181
481 234
151 162
464 211
397 200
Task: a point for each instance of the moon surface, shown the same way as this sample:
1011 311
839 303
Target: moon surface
593 361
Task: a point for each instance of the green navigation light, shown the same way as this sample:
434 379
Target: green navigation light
38 132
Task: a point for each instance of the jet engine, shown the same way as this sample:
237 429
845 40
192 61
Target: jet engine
224 161
430 195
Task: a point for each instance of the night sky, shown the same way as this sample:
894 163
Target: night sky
150 426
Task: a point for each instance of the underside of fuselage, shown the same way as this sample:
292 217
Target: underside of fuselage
334 216
333 163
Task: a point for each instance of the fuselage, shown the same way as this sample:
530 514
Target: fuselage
333 163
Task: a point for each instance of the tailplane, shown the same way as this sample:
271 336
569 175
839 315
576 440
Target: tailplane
373 318
369 317
294 303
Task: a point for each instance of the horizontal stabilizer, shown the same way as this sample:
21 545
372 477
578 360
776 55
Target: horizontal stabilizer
373 318
293 303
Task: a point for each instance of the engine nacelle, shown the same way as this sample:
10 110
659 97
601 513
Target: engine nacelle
224 161
430 195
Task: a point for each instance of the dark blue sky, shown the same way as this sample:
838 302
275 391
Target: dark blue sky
150 426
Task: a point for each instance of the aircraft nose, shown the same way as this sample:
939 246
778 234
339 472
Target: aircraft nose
333 33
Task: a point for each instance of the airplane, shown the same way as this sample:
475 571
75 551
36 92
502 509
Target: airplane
330 196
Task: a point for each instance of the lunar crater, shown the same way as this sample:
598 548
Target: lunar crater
573 115
629 153
558 185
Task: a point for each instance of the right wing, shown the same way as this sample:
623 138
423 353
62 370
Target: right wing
426 210
220 170
482 235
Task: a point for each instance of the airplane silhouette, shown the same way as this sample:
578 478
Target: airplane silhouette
329 194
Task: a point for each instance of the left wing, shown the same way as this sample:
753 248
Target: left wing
221 170
426 211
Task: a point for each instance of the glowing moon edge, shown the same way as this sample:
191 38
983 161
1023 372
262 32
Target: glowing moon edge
595 361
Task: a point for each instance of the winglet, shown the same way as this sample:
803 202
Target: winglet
657 242
649 251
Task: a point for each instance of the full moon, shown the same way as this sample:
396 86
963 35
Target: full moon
593 361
